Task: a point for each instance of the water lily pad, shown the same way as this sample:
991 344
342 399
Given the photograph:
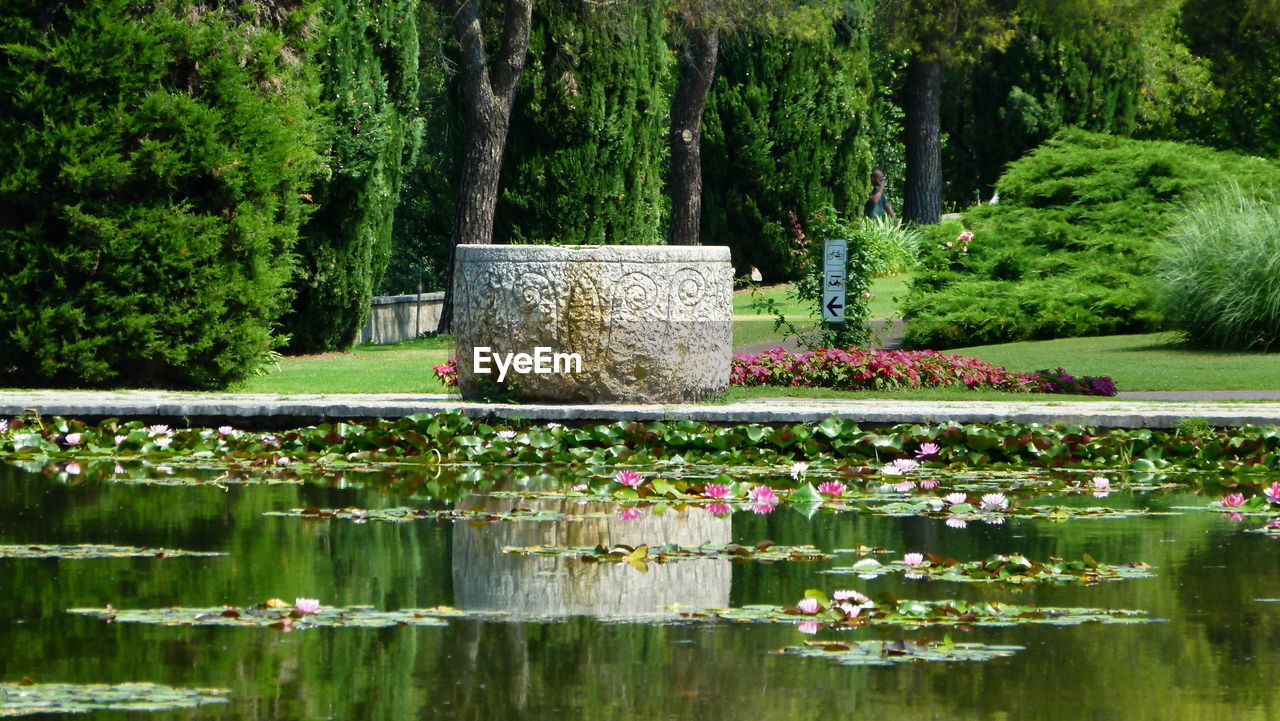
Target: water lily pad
283 617
22 699
642 555
1011 568
887 653
83 551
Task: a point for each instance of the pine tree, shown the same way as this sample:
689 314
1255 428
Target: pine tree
587 150
786 133
368 63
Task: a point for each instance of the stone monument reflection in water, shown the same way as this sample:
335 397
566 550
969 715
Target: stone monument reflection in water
544 587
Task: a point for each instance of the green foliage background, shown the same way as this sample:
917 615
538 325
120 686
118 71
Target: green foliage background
154 158
786 131
1071 247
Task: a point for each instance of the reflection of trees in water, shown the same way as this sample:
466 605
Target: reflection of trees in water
484 578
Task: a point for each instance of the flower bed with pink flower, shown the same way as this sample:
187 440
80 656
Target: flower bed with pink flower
857 370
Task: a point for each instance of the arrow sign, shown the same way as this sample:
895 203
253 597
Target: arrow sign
834 258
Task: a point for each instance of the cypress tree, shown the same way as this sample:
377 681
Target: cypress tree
368 62
586 151
154 155
786 132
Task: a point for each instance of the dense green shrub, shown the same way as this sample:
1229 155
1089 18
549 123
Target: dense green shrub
1071 247
367 57
155 157
785 131
1220 281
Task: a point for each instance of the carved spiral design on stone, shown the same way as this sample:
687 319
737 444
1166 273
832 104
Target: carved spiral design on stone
638 292
689 287
537 292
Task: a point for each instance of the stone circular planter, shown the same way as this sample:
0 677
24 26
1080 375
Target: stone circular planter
593 324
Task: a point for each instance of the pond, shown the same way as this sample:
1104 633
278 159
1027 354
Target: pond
614 640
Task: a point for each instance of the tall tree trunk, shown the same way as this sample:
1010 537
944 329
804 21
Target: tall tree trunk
697 69
922 96
487 97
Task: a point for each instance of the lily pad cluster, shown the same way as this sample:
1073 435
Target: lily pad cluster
83 551
455 438
887 653
642 555
304 614
25 698
850 609
999 568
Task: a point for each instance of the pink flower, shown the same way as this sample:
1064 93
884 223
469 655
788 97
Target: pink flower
119 439
1273 492
996 502
954 498
163 441
905 487
628 478
906 465
762 509
72 468
831 488
929 484
927 449
1233 516
506 435
629 514
808 605
716 490
763 494
949 244
158 430
891 470
1100 483
849 610
306 606
994 520
956 523
964 237
1233 500
72 439
718 509
225 430
913 559
809 627
847 595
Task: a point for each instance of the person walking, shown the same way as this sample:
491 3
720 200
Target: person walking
878 205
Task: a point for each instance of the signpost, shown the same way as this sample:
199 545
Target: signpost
834 260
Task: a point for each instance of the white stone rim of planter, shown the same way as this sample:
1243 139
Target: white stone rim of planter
592 253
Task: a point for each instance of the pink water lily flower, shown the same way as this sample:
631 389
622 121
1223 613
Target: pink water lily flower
891 470
306 606
831 488
929 484
954 498
905 487
913 559
850 595
956 523
809 627
718 509
906 465
762 508
763 494
72 468
1233 500
72 439
1100 483
225 430
849 610
628 478
506 435
1273 493
927 449
119 439
994 502
716 490
158 430
163 441
629 514
809 605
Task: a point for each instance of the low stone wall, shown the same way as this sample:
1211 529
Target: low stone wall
393 318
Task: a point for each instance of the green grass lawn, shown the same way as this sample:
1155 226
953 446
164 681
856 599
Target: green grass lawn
753 326
1151 362
394 368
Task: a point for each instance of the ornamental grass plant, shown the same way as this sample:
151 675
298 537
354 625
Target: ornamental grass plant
1220 280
